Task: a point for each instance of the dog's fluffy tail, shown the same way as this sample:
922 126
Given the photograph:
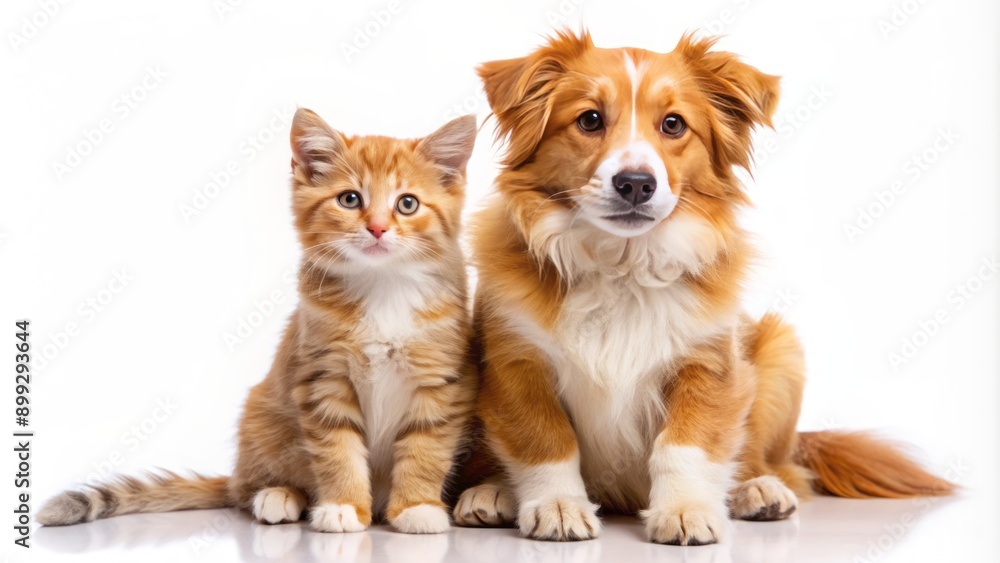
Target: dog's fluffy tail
156 493
857 465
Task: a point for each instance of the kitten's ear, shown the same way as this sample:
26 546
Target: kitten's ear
450 147
315 145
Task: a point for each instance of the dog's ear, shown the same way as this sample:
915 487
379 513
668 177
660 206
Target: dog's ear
520 92
741 96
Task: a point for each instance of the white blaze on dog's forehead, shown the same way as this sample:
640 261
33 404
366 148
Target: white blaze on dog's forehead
634 72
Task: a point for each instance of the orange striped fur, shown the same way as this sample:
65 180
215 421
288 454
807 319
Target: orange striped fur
371 391
618 367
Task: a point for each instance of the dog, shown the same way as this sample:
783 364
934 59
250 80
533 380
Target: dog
618 368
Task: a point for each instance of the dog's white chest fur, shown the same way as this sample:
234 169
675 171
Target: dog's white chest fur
613 349
618 333
626 320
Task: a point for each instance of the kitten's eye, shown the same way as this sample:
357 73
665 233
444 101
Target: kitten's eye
590 121
349 200
407 205
673 125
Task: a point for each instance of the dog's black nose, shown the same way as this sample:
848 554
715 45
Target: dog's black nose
634 186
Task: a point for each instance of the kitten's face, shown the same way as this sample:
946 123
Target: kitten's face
374 201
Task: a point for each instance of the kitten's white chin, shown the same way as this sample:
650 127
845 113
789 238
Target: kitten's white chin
375 250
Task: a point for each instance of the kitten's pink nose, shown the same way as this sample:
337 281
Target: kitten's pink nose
376 230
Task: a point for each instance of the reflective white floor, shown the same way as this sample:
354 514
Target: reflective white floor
825 529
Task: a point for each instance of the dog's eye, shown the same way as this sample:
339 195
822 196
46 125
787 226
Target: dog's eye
407 205
349 200
590 121
673 125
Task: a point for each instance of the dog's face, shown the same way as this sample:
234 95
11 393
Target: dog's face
627 138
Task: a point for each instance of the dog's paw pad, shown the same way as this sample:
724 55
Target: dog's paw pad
485 505
559 519
690 526
762 499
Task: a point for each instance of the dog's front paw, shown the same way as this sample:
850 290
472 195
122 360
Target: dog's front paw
421 519
559 519
486 505
762 498
332 517
692 525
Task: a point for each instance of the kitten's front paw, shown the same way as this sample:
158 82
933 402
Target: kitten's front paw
692 525
332 517
486 505
421 519
559 519
275 505
762 498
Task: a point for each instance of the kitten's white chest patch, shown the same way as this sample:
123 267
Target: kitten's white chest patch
385 388
384 396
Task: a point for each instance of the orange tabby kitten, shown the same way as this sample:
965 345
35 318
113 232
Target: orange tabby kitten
371 389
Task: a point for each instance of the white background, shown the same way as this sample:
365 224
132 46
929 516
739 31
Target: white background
868 99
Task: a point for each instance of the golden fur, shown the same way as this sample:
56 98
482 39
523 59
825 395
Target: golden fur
618 353
371 389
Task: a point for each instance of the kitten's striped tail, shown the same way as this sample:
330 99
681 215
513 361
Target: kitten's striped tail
164 492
